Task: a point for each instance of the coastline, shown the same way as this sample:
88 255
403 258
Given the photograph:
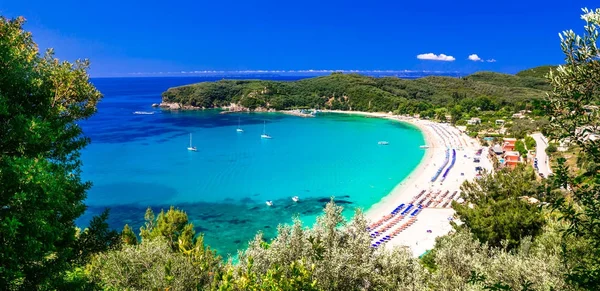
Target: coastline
418 233
433 221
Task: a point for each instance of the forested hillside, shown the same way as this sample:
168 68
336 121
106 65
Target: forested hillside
363 93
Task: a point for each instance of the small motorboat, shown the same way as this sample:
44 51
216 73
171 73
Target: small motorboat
383 143
269 203
295 198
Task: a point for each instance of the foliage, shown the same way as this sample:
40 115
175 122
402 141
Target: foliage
96 238
521 127
495 211
481 91
169 256
520 147
340 252
536 263
551 148
537 72
296 276
128 237
576 85
151 265
172 225
41 101
530 142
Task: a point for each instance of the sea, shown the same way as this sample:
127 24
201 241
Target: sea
138 158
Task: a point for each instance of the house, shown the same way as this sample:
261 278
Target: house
511 159
474 121
509 144
518 115
499 122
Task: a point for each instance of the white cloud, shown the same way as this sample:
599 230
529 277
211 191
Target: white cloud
491 61
434 57
475 58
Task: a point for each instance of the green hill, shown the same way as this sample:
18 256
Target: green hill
363 93
537 72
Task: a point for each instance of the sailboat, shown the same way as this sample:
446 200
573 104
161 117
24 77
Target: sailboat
264 134
239 129
192 148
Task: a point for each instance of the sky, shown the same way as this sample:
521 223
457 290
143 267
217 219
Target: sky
127 37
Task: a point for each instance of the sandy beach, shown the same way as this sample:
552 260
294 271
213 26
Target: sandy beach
418 232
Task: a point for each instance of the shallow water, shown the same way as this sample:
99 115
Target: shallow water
139 161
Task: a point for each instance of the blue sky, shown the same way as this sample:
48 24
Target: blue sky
121 37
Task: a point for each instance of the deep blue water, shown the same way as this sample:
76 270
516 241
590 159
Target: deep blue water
140 161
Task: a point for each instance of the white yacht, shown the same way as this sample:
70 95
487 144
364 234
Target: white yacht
239 128
269 203
264 134
295 198
192 148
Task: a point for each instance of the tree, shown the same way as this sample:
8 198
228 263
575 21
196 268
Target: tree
169 256
576 85
520 147
41 101
456 113
551 149
151 265
340 252
128 237
495 209
96 238
530 142
172 225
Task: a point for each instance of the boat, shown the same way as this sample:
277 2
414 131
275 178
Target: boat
143 112
192 148
239 129
383 143
264 134
269 203
424 146
295 198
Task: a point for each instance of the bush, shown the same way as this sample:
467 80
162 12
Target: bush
551 149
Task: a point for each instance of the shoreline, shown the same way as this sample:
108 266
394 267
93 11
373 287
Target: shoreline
432 221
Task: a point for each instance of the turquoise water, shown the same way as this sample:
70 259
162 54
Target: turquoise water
139 161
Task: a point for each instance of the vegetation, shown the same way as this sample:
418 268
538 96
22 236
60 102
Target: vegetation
42 193
496 209
478 92
502 240
530 142
576 85
537 72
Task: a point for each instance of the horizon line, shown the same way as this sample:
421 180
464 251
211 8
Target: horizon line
286 71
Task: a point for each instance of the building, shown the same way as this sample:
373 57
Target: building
499 122
518 115
511 159
509 144
474 121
